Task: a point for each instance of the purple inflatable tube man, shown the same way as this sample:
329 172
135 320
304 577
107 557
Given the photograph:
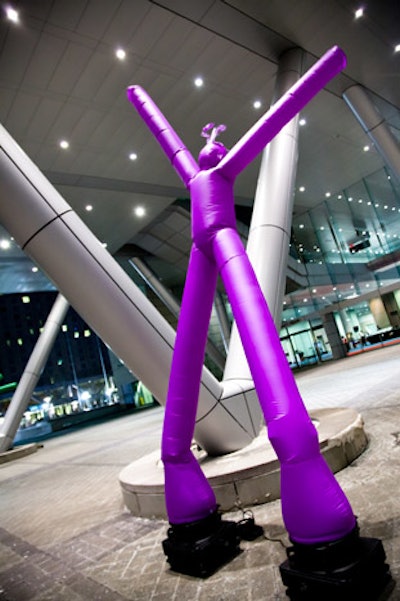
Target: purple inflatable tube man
314 507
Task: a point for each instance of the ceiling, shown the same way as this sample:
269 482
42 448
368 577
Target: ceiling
60 79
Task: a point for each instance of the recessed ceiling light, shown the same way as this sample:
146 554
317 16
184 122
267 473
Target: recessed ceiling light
327 194
5 244
120 54
257 104
302 189
301 226
133 156
366 148
89 208
397 48
64 144
12 14
35 269
302 121
140 211
359 13
198 82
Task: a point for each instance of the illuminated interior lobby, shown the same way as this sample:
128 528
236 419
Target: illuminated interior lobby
64 70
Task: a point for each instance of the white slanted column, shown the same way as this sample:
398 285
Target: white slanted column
53 235
269 235
375 126
32 373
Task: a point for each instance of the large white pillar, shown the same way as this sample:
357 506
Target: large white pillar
32 373
269 235
53 235
374 125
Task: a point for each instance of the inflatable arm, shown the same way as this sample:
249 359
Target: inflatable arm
180 157
287 107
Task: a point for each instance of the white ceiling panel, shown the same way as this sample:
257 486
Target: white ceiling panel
66 15
74 59
44 61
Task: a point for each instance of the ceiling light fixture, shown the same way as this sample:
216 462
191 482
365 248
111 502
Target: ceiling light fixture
359 13
89 208
64 144
302 121
257 104
397 48
35 269
120 54
140 211
199 82
12 14
133 156
366 148
5 244
302 189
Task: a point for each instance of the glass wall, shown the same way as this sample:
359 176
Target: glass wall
349 246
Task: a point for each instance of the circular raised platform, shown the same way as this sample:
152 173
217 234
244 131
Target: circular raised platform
246 477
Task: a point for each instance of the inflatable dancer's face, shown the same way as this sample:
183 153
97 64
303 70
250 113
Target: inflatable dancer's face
211 154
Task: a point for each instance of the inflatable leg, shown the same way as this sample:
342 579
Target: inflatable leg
313 505
188 495
328 559
198 540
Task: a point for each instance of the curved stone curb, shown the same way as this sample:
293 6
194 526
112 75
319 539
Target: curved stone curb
249 476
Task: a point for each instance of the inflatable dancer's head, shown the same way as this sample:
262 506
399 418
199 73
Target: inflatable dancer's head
211 154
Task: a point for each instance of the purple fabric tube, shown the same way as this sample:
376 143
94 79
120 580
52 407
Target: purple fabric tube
188 494
314 507
287 107
162 130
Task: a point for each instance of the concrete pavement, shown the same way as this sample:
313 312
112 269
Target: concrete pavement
65 534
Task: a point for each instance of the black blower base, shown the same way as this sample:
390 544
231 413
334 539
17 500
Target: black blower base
200 548
350 568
